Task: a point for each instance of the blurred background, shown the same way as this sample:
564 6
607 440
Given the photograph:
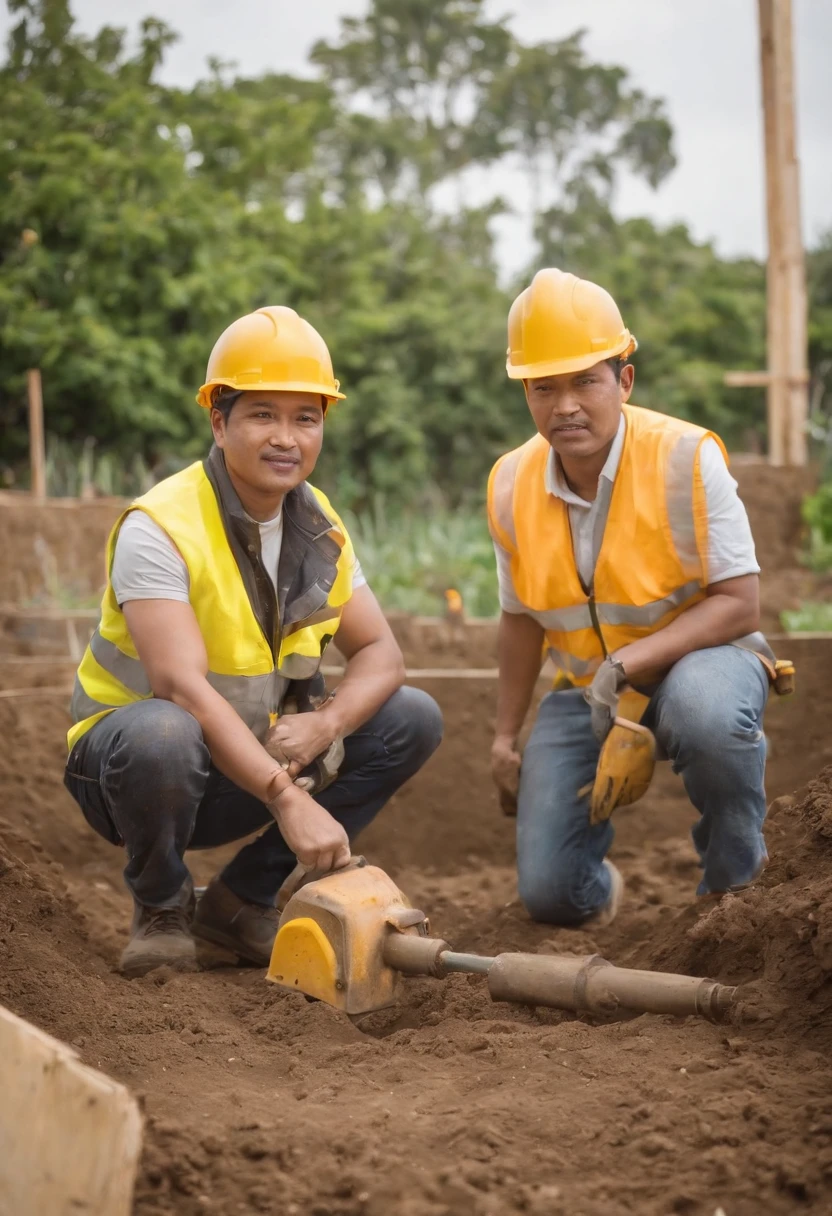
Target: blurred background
395 170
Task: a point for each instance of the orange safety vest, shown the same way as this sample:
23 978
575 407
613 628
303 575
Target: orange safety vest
651 553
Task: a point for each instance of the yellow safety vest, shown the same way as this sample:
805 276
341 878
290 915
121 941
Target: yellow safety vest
250 670
651 558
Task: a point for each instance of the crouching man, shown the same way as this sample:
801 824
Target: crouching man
622 547
226 583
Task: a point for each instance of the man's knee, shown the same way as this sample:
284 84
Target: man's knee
158 733
551 896
710 701
414 725
708 727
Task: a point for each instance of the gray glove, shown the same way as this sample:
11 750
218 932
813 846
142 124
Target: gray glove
602 696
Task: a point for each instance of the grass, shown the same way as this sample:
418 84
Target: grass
79 471
411 557
811 617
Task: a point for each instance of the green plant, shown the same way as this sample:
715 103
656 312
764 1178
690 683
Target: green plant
411 557
811 617
817 512
79 471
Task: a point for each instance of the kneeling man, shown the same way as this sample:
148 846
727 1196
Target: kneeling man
622 547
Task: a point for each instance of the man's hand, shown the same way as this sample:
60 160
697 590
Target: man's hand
505 770
603 694
316 839
297 739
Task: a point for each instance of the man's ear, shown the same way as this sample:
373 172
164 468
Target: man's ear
218 427
628 376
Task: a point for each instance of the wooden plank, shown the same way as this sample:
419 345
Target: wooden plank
37 444
70 1136
10 694
15 613
747 379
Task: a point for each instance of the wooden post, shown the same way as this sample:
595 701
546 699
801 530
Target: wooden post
37 448
787 377
788 400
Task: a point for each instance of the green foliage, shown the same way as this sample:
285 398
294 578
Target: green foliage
810 617
817 512
412 558
138 220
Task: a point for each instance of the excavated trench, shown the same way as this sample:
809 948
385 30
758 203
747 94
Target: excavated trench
446 1104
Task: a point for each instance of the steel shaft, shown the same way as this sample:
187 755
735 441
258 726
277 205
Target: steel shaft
584 984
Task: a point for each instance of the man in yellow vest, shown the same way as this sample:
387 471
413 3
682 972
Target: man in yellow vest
624 551
226 583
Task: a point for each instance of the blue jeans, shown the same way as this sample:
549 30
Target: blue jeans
707 716
143 778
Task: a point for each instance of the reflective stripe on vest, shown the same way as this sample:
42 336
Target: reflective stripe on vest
569 620
649 541
241 666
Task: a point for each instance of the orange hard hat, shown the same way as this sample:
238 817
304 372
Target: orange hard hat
563 324
272 348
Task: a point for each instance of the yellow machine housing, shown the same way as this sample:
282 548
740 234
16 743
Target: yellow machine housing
330 940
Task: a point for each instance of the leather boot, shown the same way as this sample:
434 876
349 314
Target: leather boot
247 930
161 937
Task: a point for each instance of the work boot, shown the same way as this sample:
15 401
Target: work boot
161 937
247 930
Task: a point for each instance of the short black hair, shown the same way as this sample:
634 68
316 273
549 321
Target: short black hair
223 399
617 364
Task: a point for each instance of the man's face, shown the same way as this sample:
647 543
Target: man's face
578 413
271 440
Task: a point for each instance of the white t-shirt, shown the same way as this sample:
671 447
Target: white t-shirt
147 566
730 543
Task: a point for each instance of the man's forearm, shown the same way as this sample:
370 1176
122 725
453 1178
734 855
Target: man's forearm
519 657
371 677
714 621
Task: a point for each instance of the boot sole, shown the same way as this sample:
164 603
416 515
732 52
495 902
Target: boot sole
216 937
142 964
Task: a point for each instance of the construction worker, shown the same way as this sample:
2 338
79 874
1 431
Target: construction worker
226 583
623 549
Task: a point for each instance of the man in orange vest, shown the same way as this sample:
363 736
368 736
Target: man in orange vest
624 551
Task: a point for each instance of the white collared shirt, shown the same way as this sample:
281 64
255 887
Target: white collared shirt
730 543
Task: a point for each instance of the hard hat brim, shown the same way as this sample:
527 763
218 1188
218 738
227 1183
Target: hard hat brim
564 367
203 397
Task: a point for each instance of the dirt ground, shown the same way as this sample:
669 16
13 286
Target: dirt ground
446 1104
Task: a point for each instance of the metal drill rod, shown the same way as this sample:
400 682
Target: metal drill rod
450 960
584 984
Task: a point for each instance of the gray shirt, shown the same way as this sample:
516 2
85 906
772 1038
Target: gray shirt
148 566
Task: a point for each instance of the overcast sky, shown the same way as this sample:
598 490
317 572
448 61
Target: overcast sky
701 57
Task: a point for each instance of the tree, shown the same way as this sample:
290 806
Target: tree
425 66
572 121
139 220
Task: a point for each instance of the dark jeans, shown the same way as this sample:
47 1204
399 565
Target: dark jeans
143 778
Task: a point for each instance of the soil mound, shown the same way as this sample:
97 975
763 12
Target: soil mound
775 938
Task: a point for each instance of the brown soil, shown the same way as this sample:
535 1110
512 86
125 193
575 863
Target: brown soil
445 1105
260 1102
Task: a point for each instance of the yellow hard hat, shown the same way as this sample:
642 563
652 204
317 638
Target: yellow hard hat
562 324
272 348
